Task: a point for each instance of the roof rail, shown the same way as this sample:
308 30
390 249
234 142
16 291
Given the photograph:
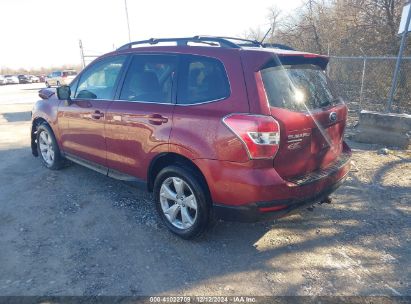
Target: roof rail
213 41
242 41
225 42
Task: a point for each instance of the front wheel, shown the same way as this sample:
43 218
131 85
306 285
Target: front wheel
47 148
182 201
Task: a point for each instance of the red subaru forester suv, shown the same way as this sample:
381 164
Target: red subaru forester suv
215 126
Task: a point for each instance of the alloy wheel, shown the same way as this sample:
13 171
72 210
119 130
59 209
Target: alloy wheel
178 203
46 147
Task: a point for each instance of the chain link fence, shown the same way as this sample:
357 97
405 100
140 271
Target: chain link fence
365 83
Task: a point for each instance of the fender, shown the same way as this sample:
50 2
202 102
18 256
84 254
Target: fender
161 151
183 151
45 109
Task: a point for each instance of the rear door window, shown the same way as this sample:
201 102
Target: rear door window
98 81
298 87
202 79
149 79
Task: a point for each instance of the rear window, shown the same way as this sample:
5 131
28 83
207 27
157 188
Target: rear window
202 79
298 87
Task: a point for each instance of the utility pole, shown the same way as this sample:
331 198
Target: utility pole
83 63
399 58
128 23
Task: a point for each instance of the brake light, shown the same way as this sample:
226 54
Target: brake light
260 134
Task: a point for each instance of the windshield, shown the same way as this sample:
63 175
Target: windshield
298 87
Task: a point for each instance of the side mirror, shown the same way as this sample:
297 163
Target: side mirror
63 92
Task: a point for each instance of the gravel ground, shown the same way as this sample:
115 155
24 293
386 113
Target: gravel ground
76 232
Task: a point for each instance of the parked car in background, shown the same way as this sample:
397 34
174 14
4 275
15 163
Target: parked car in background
3 80
214 126
42 78
34 79
24 79
11 79
59 78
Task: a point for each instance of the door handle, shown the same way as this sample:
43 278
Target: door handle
157 119
97 115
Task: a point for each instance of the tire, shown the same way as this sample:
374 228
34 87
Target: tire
58 83
47 85
182 219
47 148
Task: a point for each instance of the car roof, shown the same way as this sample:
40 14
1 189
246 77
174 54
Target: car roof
212 43
209 46
209 50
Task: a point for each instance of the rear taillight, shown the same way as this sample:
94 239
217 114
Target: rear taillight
260 134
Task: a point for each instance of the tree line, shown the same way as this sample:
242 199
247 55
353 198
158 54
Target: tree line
337 27
38 71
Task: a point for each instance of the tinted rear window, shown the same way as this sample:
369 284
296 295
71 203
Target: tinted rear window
202 79
298 87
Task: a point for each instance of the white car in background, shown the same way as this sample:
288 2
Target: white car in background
11 79
59 78
3 80
34 79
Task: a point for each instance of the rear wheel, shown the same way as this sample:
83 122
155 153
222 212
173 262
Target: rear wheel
182 201
47 148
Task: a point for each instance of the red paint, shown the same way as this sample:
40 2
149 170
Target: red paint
135 135
82 129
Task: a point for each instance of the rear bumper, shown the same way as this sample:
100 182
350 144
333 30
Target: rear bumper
243 192
253 213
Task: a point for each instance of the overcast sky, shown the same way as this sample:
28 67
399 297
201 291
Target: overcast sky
37 33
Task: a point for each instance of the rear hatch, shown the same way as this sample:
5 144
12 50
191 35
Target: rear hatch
311 117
